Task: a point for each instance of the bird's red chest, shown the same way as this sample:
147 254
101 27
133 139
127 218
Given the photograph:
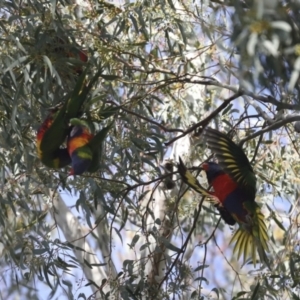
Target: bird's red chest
223 186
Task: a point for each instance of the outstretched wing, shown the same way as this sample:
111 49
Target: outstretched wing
232 159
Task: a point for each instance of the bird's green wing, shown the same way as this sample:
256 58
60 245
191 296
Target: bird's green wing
55 135
232 159
96 145
80 94
58 159
77 97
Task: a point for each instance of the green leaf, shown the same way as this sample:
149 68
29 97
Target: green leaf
202 279
158 221
216 291
39 251
134 22
48 63
46 270
124 218
144 246
200 268
87 263
227 109
134 241
118 233
295 297
279 224
67 283
169 245
255 294
81 295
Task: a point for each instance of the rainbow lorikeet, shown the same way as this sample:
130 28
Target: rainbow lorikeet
234 184
55 129
79 151
85 149
51 157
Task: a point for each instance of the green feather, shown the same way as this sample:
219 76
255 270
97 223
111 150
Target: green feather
55 134
96 146
84 152
252 237
232 159
80 94
58 159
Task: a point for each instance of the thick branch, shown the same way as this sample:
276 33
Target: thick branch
274 126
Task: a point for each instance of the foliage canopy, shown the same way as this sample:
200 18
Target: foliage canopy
168 69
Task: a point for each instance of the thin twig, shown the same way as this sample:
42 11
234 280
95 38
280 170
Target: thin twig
151 121
185 243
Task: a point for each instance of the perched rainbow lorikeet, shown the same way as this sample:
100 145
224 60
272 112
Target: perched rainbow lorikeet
234 184
52 158
79 151
85 149
55 129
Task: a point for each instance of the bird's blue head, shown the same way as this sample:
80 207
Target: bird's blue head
212 170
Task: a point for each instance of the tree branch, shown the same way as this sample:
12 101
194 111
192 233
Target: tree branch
274 126
205 121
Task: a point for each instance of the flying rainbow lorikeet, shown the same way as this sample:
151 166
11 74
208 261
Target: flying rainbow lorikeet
234 184
85 149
